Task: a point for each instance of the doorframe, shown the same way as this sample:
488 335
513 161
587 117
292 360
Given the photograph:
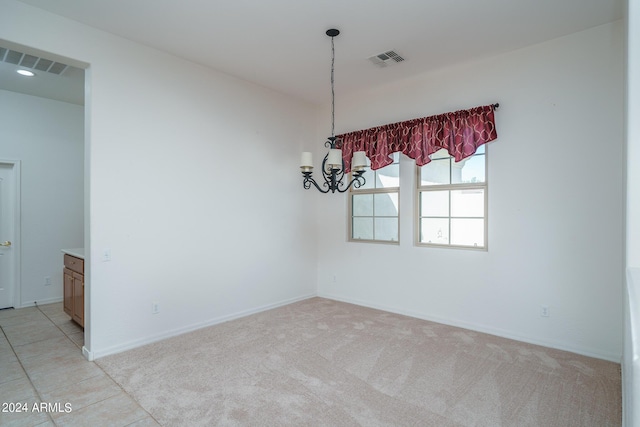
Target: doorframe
16 243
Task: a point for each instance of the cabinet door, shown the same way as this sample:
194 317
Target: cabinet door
78 298
68 292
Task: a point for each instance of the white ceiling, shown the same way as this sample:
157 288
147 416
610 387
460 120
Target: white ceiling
281 44
67 86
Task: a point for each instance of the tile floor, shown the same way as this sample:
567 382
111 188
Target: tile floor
41 362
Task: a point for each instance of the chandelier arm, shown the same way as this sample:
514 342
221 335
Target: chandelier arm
329 176
333 142
357 182
308 180
340 174
329 179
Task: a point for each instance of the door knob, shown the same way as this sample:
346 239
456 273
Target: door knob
7 243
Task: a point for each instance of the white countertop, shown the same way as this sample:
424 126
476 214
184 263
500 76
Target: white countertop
76 252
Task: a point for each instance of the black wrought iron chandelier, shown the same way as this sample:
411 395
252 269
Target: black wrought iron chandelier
333 164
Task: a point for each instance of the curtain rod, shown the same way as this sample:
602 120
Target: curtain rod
496 105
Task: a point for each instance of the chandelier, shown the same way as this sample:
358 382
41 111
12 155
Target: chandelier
333 164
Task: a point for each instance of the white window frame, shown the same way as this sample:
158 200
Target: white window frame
420 189
373 191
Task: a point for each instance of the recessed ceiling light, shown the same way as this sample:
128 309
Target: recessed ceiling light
26 73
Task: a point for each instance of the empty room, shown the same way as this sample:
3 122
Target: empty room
319 213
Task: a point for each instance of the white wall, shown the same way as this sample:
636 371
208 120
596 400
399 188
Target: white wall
193 187
555 200
48 138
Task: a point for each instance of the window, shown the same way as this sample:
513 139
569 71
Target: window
373 208
452 201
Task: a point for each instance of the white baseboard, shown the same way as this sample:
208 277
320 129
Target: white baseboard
40 302
179 331
87 354
478 328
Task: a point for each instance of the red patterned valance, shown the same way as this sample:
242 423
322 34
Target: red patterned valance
460 133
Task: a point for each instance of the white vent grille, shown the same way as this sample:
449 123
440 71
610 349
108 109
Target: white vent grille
30 61
386 58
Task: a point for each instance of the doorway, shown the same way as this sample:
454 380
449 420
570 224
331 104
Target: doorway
47 119
9 233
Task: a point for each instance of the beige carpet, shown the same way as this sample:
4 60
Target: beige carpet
325 363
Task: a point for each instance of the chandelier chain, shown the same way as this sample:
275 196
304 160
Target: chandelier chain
333 95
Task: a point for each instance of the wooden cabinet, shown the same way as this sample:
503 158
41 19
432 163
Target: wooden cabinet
68 292
74 288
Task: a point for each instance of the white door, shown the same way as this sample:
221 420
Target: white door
8 257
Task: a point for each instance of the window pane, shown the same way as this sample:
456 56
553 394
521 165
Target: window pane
434 231
470 169
467 232
362 228
386 204
362 204
467 203
435 172
388 176
387 229
370 179
440 154
434 203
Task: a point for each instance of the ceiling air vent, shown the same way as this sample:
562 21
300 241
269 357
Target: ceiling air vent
30 61
386 58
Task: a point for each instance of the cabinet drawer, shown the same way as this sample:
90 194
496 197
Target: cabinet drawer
73 263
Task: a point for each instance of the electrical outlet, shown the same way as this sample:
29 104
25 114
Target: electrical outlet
106 255
544 311
47 281
155 307
335 279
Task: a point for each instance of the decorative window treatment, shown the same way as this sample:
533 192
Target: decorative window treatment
460 133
